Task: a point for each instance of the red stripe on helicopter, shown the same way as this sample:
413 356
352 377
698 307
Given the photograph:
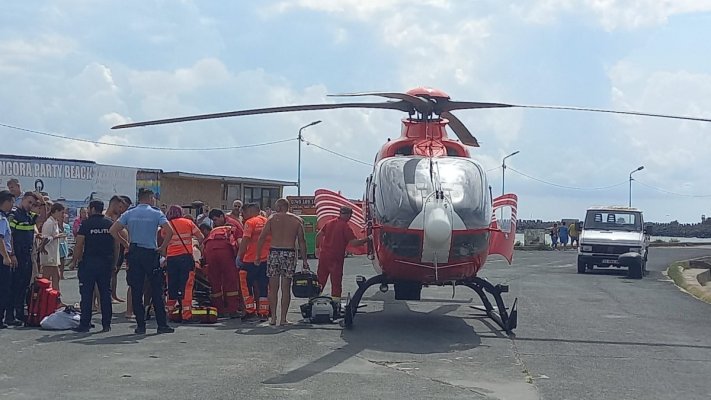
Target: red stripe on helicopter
328 206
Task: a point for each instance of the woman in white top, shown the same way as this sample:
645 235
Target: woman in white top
52 233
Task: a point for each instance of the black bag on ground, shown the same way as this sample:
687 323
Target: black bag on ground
305 285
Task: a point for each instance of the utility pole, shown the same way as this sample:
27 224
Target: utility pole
503 171
301 139
638 169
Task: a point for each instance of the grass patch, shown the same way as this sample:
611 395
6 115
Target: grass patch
676 273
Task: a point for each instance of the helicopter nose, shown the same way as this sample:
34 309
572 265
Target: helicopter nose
438 229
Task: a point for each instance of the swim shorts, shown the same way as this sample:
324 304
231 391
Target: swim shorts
281 262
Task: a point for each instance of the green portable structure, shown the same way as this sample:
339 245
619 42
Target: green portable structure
310 232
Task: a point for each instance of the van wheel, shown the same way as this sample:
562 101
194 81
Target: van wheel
635 270
581 267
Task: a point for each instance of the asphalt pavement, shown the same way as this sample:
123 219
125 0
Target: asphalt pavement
592 336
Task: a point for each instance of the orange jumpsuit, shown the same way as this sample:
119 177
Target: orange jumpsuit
220 250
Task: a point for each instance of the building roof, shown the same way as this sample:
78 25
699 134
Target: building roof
33 158
230 179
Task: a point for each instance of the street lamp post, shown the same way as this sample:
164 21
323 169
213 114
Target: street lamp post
503 171
301 139
638 169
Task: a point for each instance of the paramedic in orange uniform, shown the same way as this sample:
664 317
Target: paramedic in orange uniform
246 258
220 250
179 256
334 237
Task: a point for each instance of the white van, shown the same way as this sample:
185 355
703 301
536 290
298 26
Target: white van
608 233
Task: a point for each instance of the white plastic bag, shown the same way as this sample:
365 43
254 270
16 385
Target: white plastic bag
61 320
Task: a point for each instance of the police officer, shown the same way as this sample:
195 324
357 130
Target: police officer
95 252
22 222
8 259
143 256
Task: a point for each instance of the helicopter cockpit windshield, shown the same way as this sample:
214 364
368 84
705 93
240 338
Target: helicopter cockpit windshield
403 184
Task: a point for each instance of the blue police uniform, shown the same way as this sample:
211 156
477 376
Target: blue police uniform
22 224
95 268
143 261
5 270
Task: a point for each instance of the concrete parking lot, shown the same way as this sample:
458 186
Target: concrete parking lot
593 336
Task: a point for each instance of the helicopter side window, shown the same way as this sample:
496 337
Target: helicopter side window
404 150
452 152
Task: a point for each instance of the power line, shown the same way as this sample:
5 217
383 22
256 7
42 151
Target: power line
564 186
670 192
134 146
338 154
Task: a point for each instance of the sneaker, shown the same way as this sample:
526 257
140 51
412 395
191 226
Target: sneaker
3 326
81 329
106 329
165 329
140 330
15 322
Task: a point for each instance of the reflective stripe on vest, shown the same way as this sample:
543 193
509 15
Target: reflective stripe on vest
21 226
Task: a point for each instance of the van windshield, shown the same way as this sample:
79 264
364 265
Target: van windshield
613 220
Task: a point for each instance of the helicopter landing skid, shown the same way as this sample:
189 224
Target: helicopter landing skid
503 318
353 303
507 320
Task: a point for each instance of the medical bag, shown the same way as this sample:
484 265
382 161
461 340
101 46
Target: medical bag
204 315
42 301
305 285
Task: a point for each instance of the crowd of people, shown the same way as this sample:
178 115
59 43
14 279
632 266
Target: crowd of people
565 233
250 256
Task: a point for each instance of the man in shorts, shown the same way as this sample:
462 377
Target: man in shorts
285 230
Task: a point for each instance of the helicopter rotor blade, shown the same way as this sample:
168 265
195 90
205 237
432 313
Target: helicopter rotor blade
422 105
396 105
464 105
460 129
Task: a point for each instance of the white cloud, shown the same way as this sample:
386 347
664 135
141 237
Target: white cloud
674 151
610 14
204 73
20 53
359 9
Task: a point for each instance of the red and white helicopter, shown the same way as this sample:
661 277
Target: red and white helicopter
427 203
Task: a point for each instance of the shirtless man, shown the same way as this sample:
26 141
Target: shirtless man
285 229
117 206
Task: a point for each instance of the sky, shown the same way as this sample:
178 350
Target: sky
76 68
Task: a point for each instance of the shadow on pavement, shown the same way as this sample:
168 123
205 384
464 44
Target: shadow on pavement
607 342
395 329
608 271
